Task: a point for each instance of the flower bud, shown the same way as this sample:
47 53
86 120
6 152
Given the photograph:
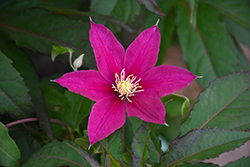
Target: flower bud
78 62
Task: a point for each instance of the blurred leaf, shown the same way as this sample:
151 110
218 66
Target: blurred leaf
79 107
22 63
243 162
146 146
83 142
140 151
152 6
193 6
110 160
86 156
56 50
177 105
135 123
70 108
103 7
124 11
83 16
25 142
154 145
10 6
13 91
9 152
112 148
224 104
72 4
239 32
166 26
38 29
238 10
200 144
56 153
208 50
200 165
177 110
244 64
126 158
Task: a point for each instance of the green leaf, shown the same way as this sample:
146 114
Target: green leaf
124 11
166 26
110 160
135 123
193 6
126 158
140 151
22 63
86 156
56 153
152 141
25 142
13 91
224 104
103 7
9 152
200 165
177 110
9 6
152 6
244 64
112 146
238 10
208 50
200 144
70 108
74 14
177 105
83 142
243 162
56 50
239 32
79 107
38 29
154 145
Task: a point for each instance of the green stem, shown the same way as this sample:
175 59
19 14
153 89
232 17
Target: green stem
70 61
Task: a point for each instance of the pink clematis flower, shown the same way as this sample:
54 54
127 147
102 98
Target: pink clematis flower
126 80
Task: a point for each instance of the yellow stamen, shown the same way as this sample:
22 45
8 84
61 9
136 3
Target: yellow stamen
126 87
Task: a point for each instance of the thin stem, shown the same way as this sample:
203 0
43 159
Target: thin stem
35 119
70 61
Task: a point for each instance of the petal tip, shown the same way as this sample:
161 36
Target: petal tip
90 18
199 76
166 124
90 146
157 22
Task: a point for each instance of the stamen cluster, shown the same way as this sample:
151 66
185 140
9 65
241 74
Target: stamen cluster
126 87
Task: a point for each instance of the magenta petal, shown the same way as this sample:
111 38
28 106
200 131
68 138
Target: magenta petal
149 109
109 53
107 115
142 54
88 83
163 80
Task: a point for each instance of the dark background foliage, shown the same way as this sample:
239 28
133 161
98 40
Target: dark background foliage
212 37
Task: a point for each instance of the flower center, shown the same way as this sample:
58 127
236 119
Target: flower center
126 87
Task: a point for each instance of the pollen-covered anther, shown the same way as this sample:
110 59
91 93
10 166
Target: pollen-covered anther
126 87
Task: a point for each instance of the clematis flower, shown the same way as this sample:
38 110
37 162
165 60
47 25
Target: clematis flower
126 81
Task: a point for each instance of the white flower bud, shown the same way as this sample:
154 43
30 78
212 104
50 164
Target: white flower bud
78 62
